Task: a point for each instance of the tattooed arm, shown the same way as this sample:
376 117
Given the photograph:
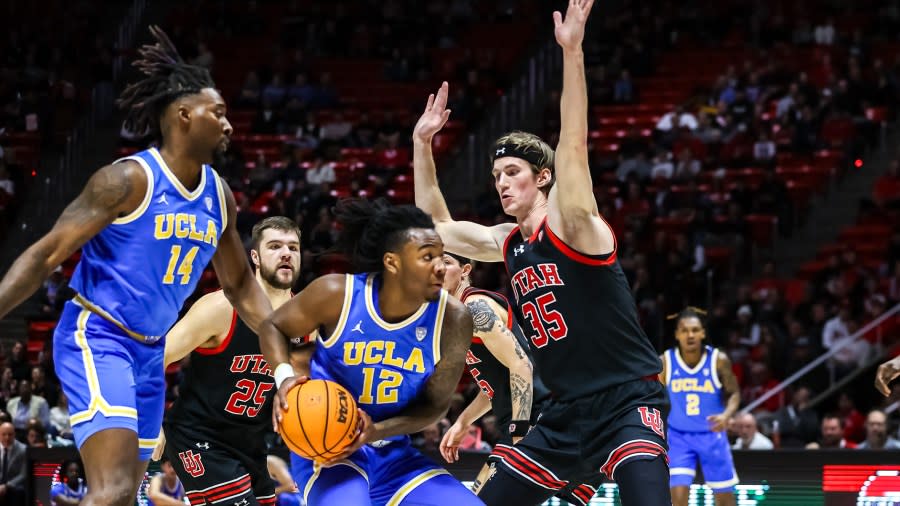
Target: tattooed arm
489 322
113 191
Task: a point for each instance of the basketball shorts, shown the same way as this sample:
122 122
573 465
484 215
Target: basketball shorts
576 440
215 470
391 473
711 450
112 381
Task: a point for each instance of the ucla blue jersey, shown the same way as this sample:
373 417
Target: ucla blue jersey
138 271
694 392
384 365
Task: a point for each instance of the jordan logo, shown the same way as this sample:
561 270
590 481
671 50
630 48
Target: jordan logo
162 199
358 328
501 151
519 249
192 463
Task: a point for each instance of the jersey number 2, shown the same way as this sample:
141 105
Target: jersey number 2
546 322
693 404
247 390
184 269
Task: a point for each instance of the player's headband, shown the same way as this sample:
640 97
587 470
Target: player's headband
532 157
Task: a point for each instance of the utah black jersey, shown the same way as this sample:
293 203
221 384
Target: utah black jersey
491 375
227 390
579 314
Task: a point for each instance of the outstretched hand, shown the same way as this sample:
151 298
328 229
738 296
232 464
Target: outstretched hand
435 116
570 33
886 373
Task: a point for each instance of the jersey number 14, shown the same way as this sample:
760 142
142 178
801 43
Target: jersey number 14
185 268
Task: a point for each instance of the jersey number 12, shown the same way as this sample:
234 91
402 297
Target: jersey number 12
389 382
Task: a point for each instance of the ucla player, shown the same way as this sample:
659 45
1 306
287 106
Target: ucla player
397 341
148 225
697 377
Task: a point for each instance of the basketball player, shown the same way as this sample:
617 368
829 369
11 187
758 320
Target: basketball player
500 362
148 225
572 298
396 341
697 377
887 372
165 488
215 431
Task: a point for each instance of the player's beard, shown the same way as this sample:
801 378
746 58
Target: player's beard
272 278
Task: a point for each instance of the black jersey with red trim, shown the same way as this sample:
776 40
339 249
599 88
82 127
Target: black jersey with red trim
578 313
491 375
227 389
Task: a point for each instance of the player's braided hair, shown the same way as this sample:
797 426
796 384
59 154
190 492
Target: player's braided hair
371 229
167 78
688 312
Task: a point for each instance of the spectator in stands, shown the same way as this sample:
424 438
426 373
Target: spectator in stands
204 56
36 434
749 437
831 435
489 430
853 420
623 91
18 362
71 489
27 406
8 388
13 467
430 438
797 422
321 172
6 184
54 293
876 433
764 149
250 91
41 387
59 417
275 92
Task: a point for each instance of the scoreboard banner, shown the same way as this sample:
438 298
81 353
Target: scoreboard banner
768 478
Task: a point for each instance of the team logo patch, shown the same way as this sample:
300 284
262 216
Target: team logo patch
208 202
192 463
421 332
652 419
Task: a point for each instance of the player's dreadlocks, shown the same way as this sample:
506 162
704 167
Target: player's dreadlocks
168 77
688 312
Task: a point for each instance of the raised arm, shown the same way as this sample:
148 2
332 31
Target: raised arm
234 273
113 191
573 208
206 323
488 320
732 389
462 237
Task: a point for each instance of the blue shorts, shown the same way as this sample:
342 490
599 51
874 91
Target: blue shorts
111 379
712 451
394 474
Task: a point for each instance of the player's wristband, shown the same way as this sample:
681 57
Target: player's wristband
282 372
518 428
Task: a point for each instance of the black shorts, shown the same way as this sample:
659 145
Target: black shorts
576 440
218 470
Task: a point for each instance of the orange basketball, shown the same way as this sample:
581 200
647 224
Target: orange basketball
321 419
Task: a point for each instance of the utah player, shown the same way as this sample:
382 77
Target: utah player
697 376
608 408
148 225
500 362
396 341
215 431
